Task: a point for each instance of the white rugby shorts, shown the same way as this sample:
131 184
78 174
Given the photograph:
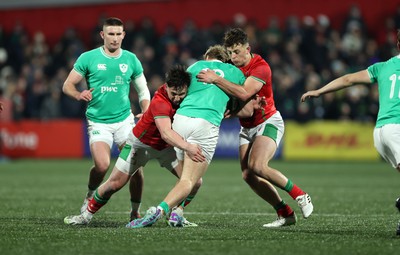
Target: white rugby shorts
387 143
196 131
109 133
136 154
273 127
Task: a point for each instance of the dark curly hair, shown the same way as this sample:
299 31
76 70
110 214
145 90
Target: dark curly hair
177 77
235 36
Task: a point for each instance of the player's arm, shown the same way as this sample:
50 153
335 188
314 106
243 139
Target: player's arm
348 80
70 87
140 84
246 109
250 87
174 139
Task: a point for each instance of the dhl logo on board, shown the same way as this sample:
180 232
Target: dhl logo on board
334 140
329 141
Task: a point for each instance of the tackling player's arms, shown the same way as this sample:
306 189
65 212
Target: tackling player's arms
164 126
242 109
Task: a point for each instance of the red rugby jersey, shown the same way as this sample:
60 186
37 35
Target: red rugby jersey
259 69
146 130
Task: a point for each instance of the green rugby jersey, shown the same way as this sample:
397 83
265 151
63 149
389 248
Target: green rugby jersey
208 101
387 75
110 77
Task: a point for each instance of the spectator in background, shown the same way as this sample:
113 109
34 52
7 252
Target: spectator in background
6 107
354 18
130 34
396 16
50 108
17 43
270 39
352 42
282 44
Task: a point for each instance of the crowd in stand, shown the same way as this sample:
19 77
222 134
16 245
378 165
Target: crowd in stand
304 53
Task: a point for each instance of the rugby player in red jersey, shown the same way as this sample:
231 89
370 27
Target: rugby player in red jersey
261 133
152 138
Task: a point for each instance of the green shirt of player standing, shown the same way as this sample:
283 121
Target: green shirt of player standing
109 72
387 128
109 79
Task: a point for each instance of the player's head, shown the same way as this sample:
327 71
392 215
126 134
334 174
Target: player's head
237 44
178 81
216 52
113 21
113 33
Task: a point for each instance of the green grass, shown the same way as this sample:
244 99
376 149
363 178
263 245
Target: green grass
354 212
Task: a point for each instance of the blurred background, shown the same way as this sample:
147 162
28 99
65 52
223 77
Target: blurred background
306 43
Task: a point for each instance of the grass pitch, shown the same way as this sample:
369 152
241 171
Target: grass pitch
354 212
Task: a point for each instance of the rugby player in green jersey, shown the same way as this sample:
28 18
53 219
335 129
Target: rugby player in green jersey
109 72
197 120
387 128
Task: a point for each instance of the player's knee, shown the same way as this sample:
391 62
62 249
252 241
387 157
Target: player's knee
102 167
258 167
247 175
186 185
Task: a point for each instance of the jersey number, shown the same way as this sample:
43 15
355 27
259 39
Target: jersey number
393 78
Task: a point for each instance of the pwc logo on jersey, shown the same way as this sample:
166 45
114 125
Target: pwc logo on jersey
109 89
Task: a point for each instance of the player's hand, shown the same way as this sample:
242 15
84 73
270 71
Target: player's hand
227 114
86 95
139 115
259 102
207 76
195 153
1 107
309 94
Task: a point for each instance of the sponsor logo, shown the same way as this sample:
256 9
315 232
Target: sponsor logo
19 140
95 132
101 67
118 80
333 140
108 89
